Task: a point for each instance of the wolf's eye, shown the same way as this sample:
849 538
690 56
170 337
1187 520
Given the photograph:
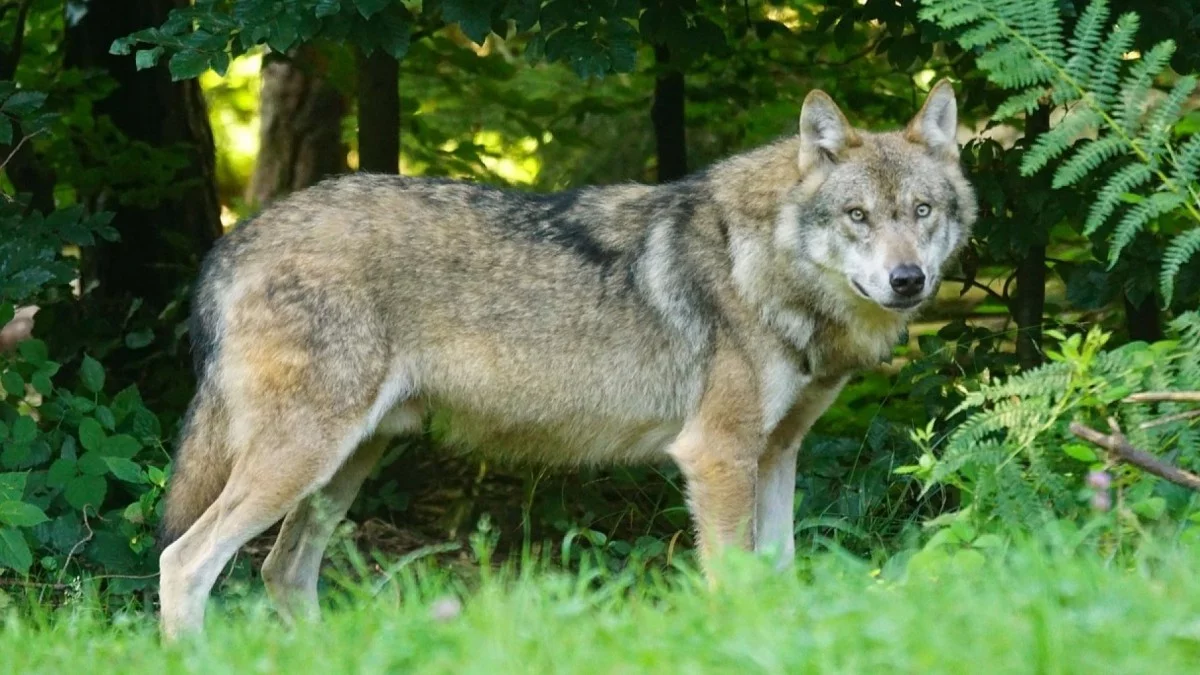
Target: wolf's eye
923 210
857 215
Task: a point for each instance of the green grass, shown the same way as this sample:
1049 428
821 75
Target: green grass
1024 611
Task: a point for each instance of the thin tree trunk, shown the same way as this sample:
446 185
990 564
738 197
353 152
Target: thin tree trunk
1029 304
300 137
1143 321
378 113
28 175
667 114
161 244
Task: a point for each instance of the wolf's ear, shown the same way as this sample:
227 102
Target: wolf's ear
936 125
824 130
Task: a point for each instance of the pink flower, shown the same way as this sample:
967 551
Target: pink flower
1099 480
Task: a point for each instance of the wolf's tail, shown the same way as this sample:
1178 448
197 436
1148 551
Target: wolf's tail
202 465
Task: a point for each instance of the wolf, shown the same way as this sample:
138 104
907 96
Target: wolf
707 321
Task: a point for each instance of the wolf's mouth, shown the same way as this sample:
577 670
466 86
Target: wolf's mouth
901 305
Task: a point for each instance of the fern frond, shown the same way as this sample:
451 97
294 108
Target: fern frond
1103 84
1181 249
1136 219
1166 114
1085 44
1187 163
1137 84
1024 102
1087 159
1056 141
1119 184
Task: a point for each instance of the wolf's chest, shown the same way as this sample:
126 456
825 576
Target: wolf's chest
839 350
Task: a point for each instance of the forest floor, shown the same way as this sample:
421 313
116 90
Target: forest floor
1027 609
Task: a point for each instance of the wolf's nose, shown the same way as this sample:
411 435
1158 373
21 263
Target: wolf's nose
907 280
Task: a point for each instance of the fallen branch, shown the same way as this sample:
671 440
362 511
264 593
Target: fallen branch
1178 417
1119 448
1156 396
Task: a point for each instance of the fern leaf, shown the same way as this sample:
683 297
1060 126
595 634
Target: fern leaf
1137 84
1187 163
1024 102
1087 159
1085 44
1162 120
1056 141
1103 84
1181 249
1119 184
1136 219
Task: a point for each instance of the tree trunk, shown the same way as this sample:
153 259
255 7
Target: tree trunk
378 113
300 137
27 173
1142 321
668 117
1030 301
161 245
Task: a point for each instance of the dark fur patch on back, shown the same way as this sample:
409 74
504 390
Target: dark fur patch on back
558 219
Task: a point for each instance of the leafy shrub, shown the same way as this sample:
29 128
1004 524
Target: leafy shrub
80 471
1015 460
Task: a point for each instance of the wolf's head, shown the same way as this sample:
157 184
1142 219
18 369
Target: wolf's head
877 216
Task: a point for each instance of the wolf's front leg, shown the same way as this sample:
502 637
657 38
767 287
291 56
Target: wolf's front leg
776 499
720 468
776 505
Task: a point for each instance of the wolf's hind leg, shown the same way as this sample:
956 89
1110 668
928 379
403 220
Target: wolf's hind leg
292 569
280 466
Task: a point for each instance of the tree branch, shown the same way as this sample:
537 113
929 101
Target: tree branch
983 287
1157 396
1119 448
1178 417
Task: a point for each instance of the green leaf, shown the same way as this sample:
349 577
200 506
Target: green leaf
91 435
92 463
1151 508
139 338
84 491
326 8
22 103
369 8
24 430
147 58
34 351
156 476
6 136
92 374
61 472
1080 452
42 384
12 383
121 445
105 417
187 64
20 514
14 552
12 485
474 17
125 469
